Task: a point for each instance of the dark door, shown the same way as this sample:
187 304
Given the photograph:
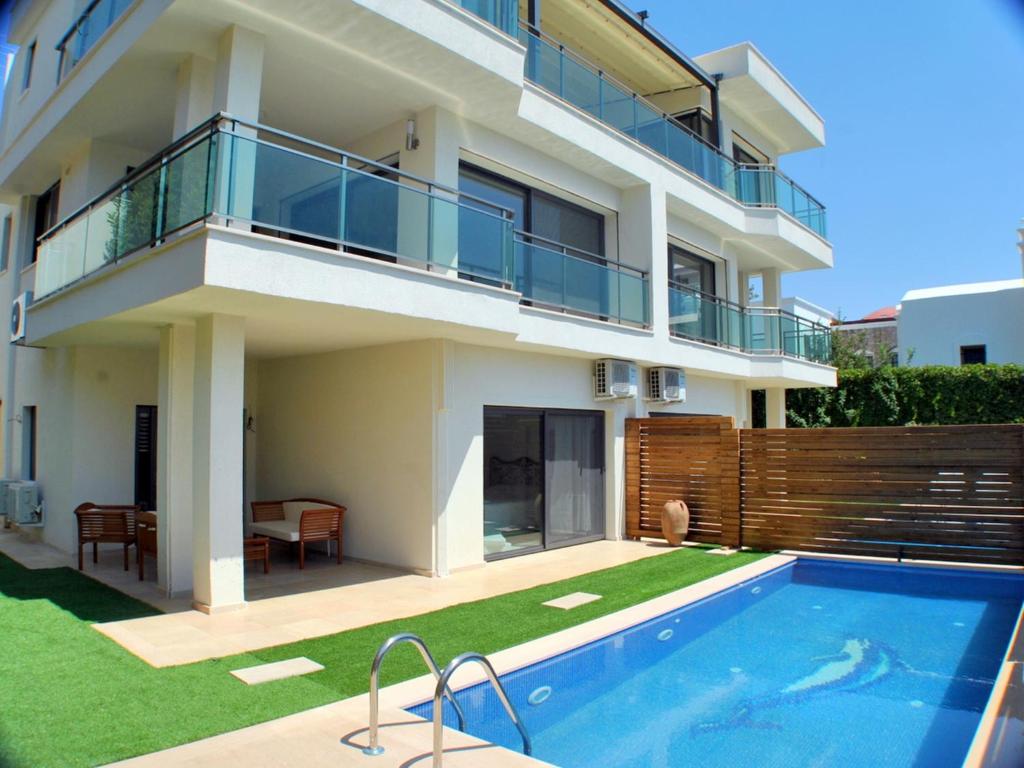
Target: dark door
145 456
543 479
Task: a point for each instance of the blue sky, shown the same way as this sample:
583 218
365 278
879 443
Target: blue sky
923 101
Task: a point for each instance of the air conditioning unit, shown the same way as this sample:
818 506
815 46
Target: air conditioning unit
9 517
614 379
18 316
666 385
23 504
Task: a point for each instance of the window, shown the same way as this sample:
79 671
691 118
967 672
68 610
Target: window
745 153
5 244
46 216
28 442
145 456
973 354
699 122
30 60
536 213
688 270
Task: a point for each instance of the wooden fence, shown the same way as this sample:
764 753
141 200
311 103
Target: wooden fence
691 458
934 493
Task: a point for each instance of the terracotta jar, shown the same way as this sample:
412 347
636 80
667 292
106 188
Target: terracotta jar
675 522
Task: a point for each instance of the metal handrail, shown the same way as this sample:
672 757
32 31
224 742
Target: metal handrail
786 177
571 251
748 310
211 126
442 687
374 747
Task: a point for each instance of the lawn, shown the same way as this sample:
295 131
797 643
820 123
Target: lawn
72 697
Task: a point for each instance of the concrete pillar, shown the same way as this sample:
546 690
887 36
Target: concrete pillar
775 408
193 100
643 237
771 280
743 288
436 158
174 458
443 365
218 567
236 91
615 465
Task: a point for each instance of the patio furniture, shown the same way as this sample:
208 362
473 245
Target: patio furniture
145 539
300 521
257 548
105 524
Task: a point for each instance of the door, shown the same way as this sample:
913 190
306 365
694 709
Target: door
145 456
543 479
573 477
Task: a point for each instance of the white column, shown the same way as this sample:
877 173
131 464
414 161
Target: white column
174 458
194 94
643 237
771 287
436 158
775 408
443 366
236 91
217 463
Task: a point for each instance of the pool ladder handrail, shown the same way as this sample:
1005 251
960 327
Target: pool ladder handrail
442 688
374 747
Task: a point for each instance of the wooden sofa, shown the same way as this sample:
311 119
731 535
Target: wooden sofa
299 521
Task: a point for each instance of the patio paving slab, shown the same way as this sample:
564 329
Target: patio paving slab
573 600
277 670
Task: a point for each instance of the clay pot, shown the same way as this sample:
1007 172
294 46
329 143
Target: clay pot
675 522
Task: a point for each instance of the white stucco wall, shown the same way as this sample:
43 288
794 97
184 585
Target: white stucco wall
934 323
354 427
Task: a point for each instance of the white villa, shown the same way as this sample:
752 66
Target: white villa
419 257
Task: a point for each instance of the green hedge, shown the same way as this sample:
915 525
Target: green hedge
934 394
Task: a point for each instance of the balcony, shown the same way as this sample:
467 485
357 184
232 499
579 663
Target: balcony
280 185
754 330
277 184
572 78
503 14
94 21
556 276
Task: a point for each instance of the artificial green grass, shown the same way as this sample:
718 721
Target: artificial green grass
72 697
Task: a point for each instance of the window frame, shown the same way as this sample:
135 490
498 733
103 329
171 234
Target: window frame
51 200
29 65
705 263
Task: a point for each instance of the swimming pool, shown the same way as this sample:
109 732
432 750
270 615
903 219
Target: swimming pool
813 664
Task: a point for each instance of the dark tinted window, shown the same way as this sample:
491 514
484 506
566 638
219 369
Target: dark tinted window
973 355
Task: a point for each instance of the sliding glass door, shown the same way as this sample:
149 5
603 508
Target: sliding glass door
543 479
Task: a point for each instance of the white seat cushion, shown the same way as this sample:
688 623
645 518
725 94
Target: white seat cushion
293 509
285 530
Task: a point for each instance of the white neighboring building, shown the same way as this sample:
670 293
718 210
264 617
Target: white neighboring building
369 251
963 324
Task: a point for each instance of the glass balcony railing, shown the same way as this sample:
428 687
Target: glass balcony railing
569 76
755 330
288 188
97 18
503 14
553 275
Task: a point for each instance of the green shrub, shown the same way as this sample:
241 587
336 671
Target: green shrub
935 394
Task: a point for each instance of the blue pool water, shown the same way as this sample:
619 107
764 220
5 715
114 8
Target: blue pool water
813 664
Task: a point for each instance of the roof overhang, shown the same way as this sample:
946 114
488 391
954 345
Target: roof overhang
752 88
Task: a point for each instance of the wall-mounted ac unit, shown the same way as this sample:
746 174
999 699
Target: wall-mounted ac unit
18 316
666 385
3 499
614 379
23 504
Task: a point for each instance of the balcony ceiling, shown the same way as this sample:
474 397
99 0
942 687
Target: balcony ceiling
593 30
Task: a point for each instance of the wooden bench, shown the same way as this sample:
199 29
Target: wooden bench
300 521
257 548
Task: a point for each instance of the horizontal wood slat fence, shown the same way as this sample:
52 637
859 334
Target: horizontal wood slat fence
951 493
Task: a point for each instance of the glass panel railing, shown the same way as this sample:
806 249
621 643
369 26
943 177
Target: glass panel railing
171 193
755 330
89 27
503 14
555 68
549 276
281 191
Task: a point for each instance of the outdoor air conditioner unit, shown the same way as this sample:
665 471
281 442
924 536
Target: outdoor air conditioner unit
23 504
614 379
4 484
18 316
666 385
